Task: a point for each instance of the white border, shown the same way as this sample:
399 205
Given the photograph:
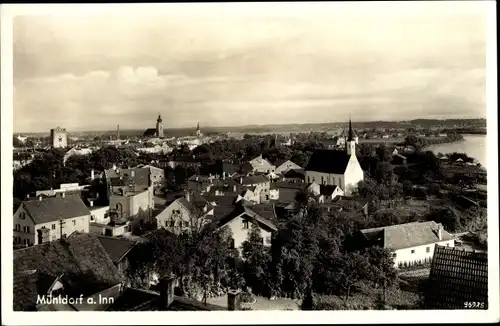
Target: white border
257 317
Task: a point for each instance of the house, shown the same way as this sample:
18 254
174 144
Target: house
46 219
260 187
200 183
332 143
133 209
67 188
287 166
241 219
336 167
410 242
294 175
76 267
184 213
458 280
118 249
261 165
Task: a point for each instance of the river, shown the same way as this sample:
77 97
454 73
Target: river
473 145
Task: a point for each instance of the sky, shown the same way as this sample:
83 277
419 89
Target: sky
239 64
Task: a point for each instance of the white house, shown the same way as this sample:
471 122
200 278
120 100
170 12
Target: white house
336 167
261 165
410 242
44 219
287 166
183 212
241 220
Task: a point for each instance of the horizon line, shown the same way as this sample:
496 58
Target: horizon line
250 125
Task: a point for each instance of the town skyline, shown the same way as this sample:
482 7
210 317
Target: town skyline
133 67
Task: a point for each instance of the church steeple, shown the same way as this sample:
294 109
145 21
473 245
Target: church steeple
350 144
159 126
350 135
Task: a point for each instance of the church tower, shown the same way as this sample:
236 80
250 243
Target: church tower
350 143
159 127
198 131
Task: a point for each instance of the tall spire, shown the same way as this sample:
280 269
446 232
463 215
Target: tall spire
198 126
159 118
350 135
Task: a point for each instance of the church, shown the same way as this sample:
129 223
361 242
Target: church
336 167
155 132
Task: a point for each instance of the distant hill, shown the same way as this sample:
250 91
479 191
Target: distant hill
273 128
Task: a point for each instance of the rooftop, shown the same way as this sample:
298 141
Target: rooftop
457 276
51 209
407 235
116 248
328 161
80 259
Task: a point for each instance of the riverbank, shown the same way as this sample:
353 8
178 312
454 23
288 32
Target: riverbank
472 145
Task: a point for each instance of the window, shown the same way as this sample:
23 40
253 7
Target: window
245 224
448 244
413 251
53 226
268 239
26 229
25 241
231 243
428 249
22 215
18 227
394 255
322 180
172 223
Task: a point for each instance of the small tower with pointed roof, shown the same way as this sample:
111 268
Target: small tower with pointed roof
198 131
350 143
159 127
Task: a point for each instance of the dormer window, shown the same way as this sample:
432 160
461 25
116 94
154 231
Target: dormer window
22 215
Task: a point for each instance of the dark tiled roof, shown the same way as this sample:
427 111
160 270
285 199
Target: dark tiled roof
125 178
256 214
327 190
226 200
116 248
409 234
150 132
255 179
457 277
289 185
294 173
80 258
287 195
56 208
328 161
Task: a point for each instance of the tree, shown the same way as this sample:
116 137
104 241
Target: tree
255 261
350 270
382 271
384 173
383 154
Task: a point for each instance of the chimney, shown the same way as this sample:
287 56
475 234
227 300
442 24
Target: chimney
92 176
167 285
114 167
241 180
63 195
91 203
234 188
132 173
223 175
440 232
233 300
188 196
40 198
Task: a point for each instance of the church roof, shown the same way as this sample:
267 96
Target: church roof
149 132
328 161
